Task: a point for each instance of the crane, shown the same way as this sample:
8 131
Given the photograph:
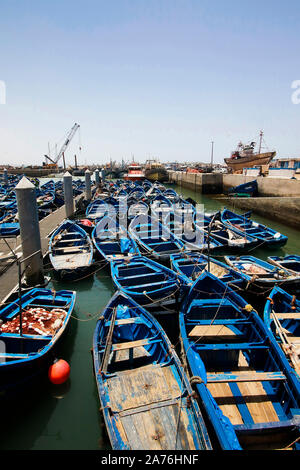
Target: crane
63 148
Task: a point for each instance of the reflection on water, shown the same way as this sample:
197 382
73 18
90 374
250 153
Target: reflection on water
68 416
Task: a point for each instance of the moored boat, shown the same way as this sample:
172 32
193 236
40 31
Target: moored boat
282 317
112 241
154 238
249 391
147 282
192 264
29 338
145 396
266 236
262 276
70 250
290 262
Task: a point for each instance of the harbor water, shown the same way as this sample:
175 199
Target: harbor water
69 416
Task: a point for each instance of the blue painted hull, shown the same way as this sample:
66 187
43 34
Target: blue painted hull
124 411
25 357
224 339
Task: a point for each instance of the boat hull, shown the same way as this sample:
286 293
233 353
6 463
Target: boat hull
248 162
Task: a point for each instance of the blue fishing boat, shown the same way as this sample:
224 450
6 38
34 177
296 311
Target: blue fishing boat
145 396
29 332
290 262
262 276
100 208
192 264
112 241
154 238
231 239
249 392
147 282
189 233
70 250
266 236
282 317
249 189
9 229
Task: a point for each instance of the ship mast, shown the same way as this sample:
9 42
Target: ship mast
260 140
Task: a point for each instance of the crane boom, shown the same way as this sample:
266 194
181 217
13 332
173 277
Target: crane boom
65 145
67 141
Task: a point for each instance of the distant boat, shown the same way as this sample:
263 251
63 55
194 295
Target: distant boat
135 173
245 157
249 189
145 395
155 171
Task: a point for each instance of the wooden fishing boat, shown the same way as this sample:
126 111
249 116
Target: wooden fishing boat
100 208
249 392
112 241
154 238
263 276
192 264
29 332
290 262
267 237
282 317
189 233
249 189
145 396
70 250
231 239
9 229
147 282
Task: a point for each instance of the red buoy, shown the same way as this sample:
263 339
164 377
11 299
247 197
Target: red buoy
59 372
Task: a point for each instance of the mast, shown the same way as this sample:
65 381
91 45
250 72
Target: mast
260 140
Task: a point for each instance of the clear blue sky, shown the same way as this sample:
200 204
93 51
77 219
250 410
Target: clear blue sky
148 78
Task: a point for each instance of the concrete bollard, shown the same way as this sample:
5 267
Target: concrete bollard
5 176
68 194
97 178
88 189
30 232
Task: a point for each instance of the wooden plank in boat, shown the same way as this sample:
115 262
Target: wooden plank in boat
140 387
245 377
253 393
130 344
220 332
288 316
156 429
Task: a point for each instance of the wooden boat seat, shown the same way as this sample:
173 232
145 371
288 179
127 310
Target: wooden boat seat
245 377
135 276
127 321
156 283
220 332
288 316
72 249
134 344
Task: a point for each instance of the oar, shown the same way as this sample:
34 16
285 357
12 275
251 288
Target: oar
108 345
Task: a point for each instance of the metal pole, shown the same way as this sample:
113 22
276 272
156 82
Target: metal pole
212 155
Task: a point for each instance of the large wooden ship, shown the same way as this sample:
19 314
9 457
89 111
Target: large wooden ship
155 171
246 157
